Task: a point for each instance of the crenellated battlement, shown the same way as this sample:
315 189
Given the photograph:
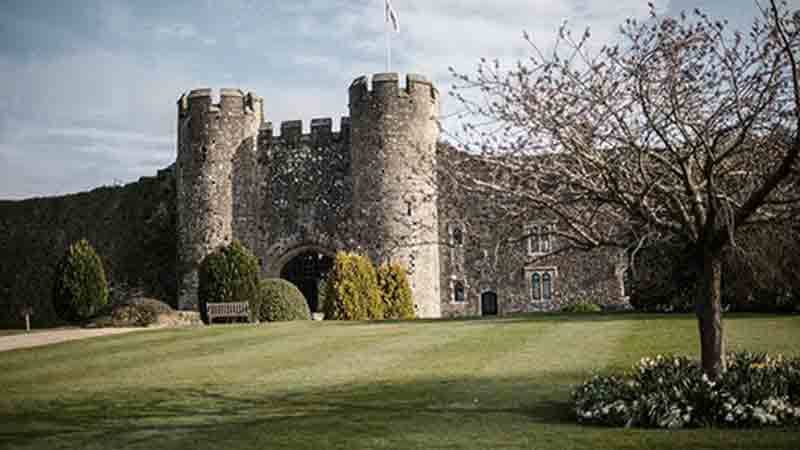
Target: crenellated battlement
238 176
290 132
385 86
231 101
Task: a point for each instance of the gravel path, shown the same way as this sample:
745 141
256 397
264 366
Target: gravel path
38 338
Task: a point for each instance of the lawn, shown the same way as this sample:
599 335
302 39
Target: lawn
477 384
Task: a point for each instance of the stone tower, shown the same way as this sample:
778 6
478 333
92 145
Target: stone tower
394 131
210 135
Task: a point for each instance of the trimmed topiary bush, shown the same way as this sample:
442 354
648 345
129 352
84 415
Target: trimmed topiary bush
352 289
582 307
279 300
80 288
673 392
229 274
395 292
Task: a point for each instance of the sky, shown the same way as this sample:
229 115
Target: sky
89 87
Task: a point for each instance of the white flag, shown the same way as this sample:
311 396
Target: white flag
391 16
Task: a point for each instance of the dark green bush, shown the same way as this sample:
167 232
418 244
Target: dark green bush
395 292
759 276
80 288
673 392
279 300
229 274
352 289
582 307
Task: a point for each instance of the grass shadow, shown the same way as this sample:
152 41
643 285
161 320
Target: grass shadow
620 316
216 412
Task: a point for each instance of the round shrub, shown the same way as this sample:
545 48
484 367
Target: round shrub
139 311
395 292
352 289
582 307
279 300
80 286
229 274
673 392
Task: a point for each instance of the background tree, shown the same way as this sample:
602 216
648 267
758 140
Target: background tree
80 286
352 291
229 274
683 131
395 291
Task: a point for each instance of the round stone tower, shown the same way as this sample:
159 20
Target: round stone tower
393 137
209 137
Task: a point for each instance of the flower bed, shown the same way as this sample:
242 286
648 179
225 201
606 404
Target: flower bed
673 392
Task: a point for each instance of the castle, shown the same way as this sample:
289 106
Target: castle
374 186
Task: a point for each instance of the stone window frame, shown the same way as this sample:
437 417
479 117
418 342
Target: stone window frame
539 239
465 287
456 251
541 271
451 234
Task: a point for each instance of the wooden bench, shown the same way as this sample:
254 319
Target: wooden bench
232 309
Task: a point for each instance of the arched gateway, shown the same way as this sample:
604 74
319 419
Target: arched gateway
305 269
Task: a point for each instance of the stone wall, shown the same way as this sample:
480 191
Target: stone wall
379 185
494 254
304 196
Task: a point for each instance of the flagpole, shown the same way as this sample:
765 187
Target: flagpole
388 44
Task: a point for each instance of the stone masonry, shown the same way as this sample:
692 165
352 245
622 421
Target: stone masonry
373 186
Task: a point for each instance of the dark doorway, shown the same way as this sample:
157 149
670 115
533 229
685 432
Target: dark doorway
305 271
489 304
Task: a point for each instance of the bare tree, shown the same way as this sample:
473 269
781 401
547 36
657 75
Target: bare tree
683 130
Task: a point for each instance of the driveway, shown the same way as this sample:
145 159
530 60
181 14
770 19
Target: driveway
38 338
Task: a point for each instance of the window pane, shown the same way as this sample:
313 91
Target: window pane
458 236
546 287
458 291
536 286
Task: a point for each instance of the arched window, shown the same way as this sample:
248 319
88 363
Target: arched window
458 237
458 292
536 286
540 239
547 291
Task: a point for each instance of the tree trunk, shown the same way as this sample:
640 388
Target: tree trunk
709 315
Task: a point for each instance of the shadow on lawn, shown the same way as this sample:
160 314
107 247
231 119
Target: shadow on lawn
568 317
338 413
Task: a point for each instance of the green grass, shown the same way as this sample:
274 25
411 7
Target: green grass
479 384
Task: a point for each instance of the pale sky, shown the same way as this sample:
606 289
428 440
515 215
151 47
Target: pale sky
89 86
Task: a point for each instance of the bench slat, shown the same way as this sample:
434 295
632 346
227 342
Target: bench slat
230 309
